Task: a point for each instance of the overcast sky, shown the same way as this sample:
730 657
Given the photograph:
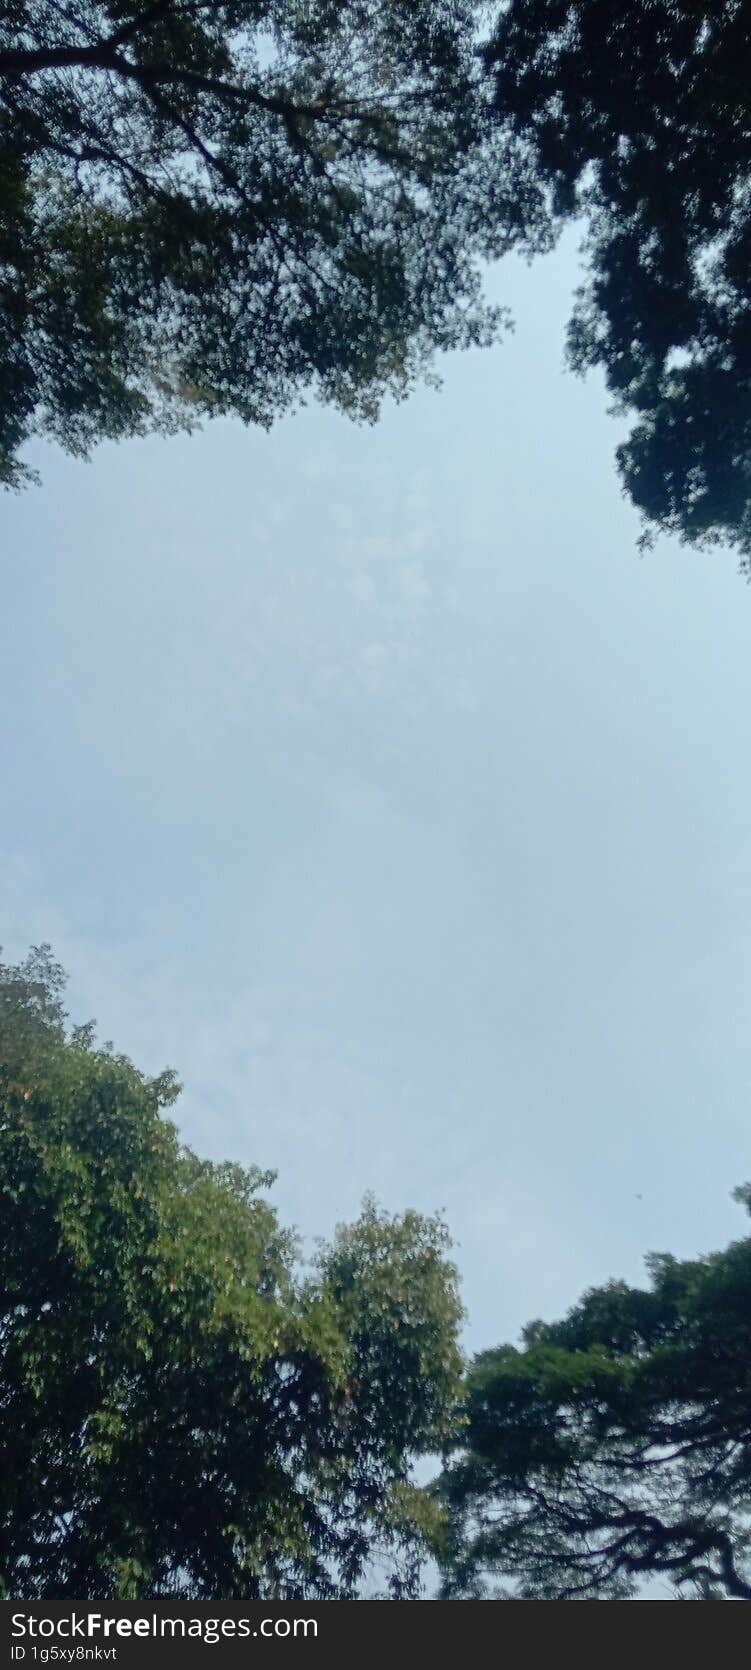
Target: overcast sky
370 778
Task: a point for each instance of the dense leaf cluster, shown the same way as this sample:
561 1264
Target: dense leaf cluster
639 115
185 1409
615 1446
212 206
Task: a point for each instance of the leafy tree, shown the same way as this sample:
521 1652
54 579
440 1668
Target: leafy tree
217 206
615 1446
210 206
186 1410
639 115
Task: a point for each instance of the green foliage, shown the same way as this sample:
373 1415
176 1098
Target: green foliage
191 1412
614 1446
212 206
639 115
222 206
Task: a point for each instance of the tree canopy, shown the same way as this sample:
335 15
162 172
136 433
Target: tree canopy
212 206
614 1446
639 116
220 206
192 1410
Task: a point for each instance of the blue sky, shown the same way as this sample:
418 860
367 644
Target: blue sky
369 778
